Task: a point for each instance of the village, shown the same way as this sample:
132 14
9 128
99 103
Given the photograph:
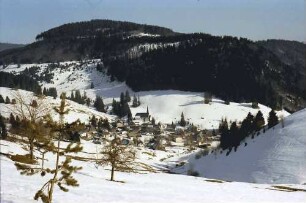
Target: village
142 131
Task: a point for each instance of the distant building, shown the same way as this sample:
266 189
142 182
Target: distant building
144 117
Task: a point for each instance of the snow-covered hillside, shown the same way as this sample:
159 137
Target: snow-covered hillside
76 111
164 105
276 156
136 187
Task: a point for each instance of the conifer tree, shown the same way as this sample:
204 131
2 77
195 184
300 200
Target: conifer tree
53 92
247 126
114 107
118 156
127 96
135 101
99 105
207 98
88 102
1 99
103 123
259 121
45 92
138 101
182 121
153 121
7 100
93 121
272 119
13 101
3 130
255 105
234 136
12 120
62 172
78 97
122 98
224 132
72 96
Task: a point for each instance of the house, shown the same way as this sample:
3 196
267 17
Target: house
96 140
179 139
144 116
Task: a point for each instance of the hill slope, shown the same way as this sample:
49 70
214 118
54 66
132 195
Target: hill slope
276 156
5 46
150 57
164 105
83 40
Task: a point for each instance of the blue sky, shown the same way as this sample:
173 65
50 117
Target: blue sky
22 20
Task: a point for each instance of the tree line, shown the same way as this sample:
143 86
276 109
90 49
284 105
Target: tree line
232 134
228 67
20 81
121 108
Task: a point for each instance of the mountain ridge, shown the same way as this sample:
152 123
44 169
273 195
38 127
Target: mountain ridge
151 57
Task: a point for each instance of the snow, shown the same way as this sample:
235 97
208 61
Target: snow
76 111
164 105
276 156
167 105
135 187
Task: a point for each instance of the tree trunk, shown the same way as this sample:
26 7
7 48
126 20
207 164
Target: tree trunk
50 193
42 161
31 151
112 173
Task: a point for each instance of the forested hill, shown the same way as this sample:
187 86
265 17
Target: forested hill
89 39
104 28
151 57
289 52
5 46
228 67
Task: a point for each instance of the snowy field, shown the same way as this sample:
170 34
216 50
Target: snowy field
276 156
76 111
135 187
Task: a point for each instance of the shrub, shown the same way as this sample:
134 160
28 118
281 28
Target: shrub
192 173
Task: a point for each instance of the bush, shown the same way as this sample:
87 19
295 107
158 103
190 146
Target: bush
191 172
198 155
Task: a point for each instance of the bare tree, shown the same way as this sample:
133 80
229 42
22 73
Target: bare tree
119 157
31 110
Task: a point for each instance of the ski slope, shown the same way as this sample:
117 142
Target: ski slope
276 156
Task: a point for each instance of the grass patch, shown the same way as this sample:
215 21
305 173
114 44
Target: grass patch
25 159
214 181
287 189
180 164
191 172
150 154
